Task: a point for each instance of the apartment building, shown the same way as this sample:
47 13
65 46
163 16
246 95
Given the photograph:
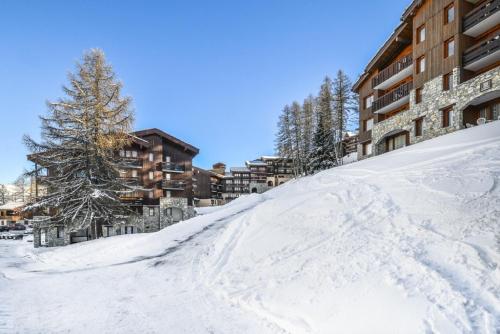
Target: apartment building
160 167
437 73
257 176
207 187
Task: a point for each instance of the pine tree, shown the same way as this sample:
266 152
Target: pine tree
3 194
344 106
80 138
284 146
322 156
308 129
297 137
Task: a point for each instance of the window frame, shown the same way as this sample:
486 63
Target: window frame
447 9
419 127
421 61
446 117
446 50
421 29
447 82
419 93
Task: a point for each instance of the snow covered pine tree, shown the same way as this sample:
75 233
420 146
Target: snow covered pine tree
323 153
80 139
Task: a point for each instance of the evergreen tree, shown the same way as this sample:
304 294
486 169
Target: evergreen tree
80 138
297 137
284 142
323 156
3 194
308 118
344 107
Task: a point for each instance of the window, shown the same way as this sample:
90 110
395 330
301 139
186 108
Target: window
396 142
151 157
128 154
168 194
449 14
150 194
368 102
485 85
134 173
134 154
122 153
446 116
167 158
367 148
420 34
151 175
449 48
60 232
168 177
368 124
421 65
418 127
447 82
418 95
106 231
151 212
129 230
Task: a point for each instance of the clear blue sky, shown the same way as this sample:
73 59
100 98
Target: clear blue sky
213 73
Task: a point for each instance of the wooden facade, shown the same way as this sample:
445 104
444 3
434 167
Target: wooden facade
435 38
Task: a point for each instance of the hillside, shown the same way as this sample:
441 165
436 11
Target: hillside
408 242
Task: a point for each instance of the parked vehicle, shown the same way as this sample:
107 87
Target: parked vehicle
4 228
11 236
18 227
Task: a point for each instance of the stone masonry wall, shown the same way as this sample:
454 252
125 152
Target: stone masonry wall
434 99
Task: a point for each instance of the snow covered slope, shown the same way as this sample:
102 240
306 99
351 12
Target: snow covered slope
408 242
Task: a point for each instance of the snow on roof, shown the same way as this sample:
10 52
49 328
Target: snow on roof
256 163
270 157
11 205
240 169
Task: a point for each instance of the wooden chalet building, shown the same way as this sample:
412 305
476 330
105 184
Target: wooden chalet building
437 73
160 165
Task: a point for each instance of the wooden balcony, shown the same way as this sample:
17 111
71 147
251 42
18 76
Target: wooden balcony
483 54
131 181
173 185
130 162
172 167
482 18
394 99
393 73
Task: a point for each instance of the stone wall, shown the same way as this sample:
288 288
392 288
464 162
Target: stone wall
434 99
174 202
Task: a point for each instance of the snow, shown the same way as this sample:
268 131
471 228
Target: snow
408 242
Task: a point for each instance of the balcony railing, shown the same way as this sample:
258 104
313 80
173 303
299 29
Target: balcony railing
392 70
482 50
172 167
481 13
393 96
173 185
131 162
131 181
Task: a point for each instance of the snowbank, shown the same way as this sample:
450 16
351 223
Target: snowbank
408 242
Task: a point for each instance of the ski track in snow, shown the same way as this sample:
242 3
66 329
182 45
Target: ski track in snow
408 245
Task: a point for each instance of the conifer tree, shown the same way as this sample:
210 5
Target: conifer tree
297 137
323 156
80 138
308 118
284 142
344 106
3 194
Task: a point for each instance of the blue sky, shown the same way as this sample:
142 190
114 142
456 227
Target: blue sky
213 73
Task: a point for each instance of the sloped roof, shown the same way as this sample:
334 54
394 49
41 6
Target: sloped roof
177 141
12 205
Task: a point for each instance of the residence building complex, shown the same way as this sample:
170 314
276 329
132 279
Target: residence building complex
160 166
437 73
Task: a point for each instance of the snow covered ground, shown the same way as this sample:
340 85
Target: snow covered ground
408 242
